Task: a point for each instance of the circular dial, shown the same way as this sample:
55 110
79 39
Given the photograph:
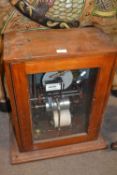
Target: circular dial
66 77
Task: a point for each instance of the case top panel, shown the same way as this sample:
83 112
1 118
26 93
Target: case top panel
45 44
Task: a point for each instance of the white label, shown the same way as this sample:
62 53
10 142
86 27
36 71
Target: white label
61 50
53 87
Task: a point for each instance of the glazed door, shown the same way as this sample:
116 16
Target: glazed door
59 101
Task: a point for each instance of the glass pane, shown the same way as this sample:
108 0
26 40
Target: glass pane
61 102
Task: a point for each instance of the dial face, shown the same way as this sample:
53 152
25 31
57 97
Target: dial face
52 13
65 76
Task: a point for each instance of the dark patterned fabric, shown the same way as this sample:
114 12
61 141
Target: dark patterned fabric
65 13
13 20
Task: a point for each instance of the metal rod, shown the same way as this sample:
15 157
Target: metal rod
65 95
38 106
34 85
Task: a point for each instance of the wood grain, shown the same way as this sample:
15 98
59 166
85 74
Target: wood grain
85 41
35 52
24 157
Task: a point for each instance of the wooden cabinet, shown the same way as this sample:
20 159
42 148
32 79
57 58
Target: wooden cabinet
58 83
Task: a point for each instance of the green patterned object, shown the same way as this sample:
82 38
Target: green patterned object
65 13
105 8
52 13
66 10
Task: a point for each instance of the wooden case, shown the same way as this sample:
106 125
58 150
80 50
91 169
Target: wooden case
27 53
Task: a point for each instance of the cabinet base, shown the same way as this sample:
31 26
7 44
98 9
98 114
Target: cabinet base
22 157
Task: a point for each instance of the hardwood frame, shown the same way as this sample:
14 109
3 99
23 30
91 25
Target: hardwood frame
20 84
31 60
18 157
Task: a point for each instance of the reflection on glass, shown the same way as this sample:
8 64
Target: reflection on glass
61 102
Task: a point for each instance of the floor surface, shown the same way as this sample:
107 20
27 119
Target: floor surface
102 162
